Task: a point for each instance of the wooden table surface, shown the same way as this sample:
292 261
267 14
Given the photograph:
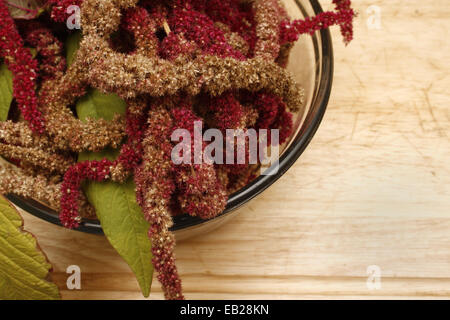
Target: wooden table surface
373 188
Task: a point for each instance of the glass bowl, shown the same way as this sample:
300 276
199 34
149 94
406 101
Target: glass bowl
311 63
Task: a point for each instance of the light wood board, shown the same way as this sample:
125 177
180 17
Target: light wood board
373 188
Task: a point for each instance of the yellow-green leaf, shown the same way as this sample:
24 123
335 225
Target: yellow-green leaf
23 267
97 105
124 225
33 52
72 45
6 91
122 221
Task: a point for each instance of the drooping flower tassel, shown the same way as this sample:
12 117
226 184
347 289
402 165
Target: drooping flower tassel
200 191
49 48
343 16
23 67
155 186
103 170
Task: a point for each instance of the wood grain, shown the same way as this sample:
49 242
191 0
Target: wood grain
372 188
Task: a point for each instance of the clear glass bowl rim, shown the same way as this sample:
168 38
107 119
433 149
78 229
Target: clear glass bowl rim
257 186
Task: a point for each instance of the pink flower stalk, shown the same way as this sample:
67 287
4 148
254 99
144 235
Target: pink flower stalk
283 122
131 152
59 8
163 245
345 6
343 16
154 188
23 66
234 13
175 45
273 114
267 105
156 170
157 10
71 188
49 48
200 192
226 111
129 158
199 28
135 19
139 22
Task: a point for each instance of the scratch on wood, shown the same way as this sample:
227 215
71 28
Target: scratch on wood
419 117
426 91
424 157
354 125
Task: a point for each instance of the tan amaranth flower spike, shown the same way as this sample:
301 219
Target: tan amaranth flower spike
130 75
68 132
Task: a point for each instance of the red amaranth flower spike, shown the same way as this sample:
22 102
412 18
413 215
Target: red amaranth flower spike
131 152
273 114
49 48
234 13
139 22
345 6
70 188
284 123
175 45
154 189
59 8
23 67
343 16
267 105
129 158
199 28
227 112
200 192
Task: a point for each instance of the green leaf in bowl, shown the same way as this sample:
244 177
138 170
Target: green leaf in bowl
115 204
98 105
124 225
6 91
72 44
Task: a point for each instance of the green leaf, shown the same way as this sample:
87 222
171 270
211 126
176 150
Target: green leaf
72 45
23 267
110 154
122 221
124 225
25 9
121 217
33 52
98 105
6 91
